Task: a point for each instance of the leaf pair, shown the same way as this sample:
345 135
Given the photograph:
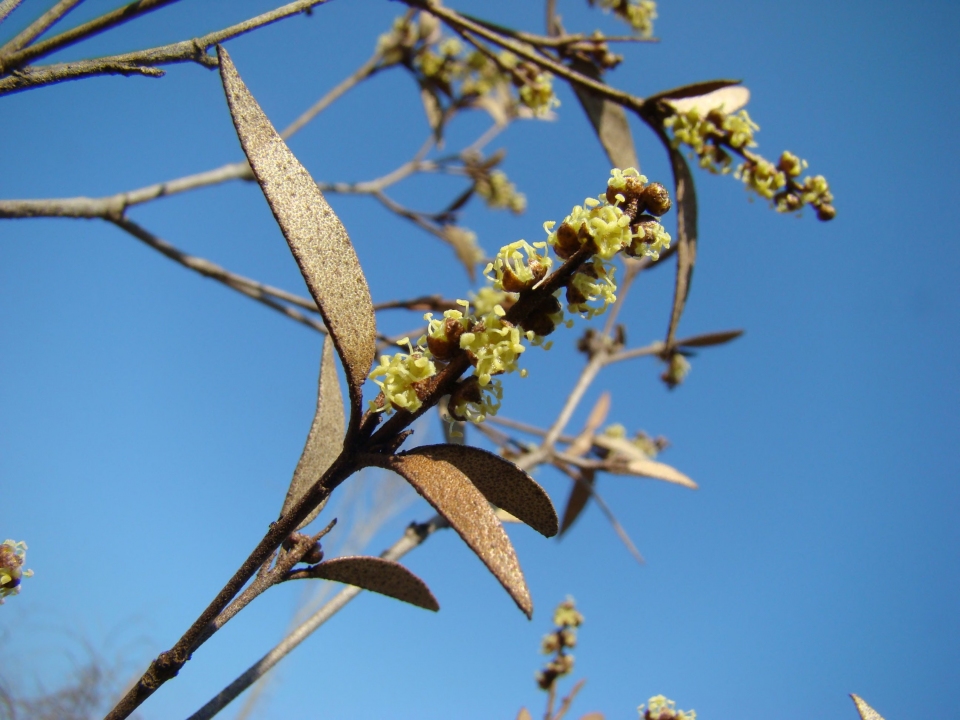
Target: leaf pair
460 482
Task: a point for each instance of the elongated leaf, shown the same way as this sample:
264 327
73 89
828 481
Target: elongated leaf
584 441
866 712
686 199
315 234
693 90
452 494
707 339
524 714
501 482
580 494
728 100
608 119
325 439
380 576
628 459
592 716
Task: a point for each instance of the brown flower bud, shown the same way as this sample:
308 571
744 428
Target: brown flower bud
826 212
567 242
655 199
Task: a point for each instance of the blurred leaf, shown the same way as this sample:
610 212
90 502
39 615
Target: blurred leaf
501 482
380 576
693 91
627 459
452 494
315 234
580 494
866 712
434 111
505 517
325 439
686 200
584 441
464 244
524 714
707 339
608 119
592 716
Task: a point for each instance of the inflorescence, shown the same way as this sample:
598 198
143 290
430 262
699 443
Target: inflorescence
624 219
713 136
466 76
12 556
567 619
661 708
638 14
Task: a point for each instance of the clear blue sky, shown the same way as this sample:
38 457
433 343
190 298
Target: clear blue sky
151 418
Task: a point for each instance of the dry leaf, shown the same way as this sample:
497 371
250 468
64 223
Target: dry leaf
380 576
628 459
704 87
707 339
592 716
580 494
452 494
686 200
501 482
608 119
866 712
325 440
728 100
584 441
524 714
315 234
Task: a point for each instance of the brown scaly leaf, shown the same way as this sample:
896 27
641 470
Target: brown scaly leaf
866 712
580 494
608 119
501 482
707 339
698 90
315 234
627 459
325 439
452 494
377 575
686 200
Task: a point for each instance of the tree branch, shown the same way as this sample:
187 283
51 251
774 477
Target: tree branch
143 61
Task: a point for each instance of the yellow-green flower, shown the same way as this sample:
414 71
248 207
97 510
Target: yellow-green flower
494 347
12 556
592 283
511 271
401 373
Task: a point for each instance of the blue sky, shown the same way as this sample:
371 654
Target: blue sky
152 418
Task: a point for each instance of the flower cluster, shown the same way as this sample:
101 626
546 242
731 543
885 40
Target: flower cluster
711 136
625 219
639 14
663 709
499 192
567 619
12 556
649 446
463 75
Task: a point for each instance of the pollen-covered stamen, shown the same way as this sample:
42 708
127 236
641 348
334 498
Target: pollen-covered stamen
512 272
649 240
473 402
592 283
404 376
443 336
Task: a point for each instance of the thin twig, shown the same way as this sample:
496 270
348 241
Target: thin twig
251 288
412 538
568 700
7 7
143 61
37 28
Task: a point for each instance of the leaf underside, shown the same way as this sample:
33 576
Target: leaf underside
501 482
452 494
325 440
686 201
866 712
609 121
693 90
579 496
380 576
316 236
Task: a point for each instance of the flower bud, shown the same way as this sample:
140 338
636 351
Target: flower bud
655 199
826 212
